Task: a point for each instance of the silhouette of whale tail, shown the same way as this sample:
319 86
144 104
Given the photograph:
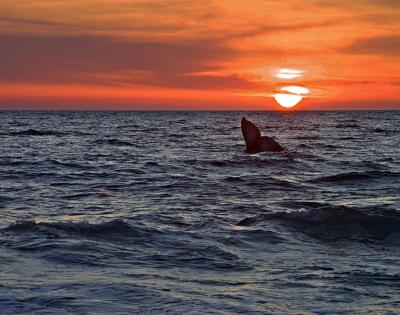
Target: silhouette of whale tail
251 135
256 143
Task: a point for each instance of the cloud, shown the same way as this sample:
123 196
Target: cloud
358 3
103 60
379 45
265 29
32 21
35 57
394 3
337 82
156 19
148 19
198 81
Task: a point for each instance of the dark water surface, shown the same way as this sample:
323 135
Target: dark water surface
156 212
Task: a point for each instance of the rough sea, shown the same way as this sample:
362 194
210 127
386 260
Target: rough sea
164 212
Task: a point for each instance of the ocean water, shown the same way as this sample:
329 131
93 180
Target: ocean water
164 212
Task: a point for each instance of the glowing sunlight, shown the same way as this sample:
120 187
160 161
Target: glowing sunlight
287 100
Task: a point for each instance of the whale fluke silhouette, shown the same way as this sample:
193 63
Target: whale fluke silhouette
256 143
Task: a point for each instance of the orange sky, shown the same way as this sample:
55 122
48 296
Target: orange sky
208 54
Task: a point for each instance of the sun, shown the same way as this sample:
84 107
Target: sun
288 100
291 95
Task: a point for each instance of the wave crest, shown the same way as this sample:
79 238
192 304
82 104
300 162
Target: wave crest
82 227
335 223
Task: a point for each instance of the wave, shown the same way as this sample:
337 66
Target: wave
393 130
347 138
113 141
260 237
81 227
37 132
9 162
234 179
69 164
272 183
354 176
279 158
347 125
87 195
107 243
45 163
34 132
349 121
200 257
269 127
4 201
379 130
305 137
335 223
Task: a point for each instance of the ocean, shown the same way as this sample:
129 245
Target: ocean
163 212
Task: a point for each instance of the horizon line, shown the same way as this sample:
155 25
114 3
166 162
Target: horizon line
198 110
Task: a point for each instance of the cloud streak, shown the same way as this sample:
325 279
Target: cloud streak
96 60
378 45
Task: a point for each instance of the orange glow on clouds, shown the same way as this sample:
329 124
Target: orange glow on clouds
220 54
289 74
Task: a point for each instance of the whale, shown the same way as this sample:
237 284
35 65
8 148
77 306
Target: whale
255 143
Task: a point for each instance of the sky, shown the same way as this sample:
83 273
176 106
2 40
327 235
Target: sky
198 54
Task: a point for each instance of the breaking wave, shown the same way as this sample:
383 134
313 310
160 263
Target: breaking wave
82 227
335 223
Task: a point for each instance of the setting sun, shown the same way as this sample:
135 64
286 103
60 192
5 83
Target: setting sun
287 100
291 96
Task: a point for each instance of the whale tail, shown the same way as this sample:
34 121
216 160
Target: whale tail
251 135
255 142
